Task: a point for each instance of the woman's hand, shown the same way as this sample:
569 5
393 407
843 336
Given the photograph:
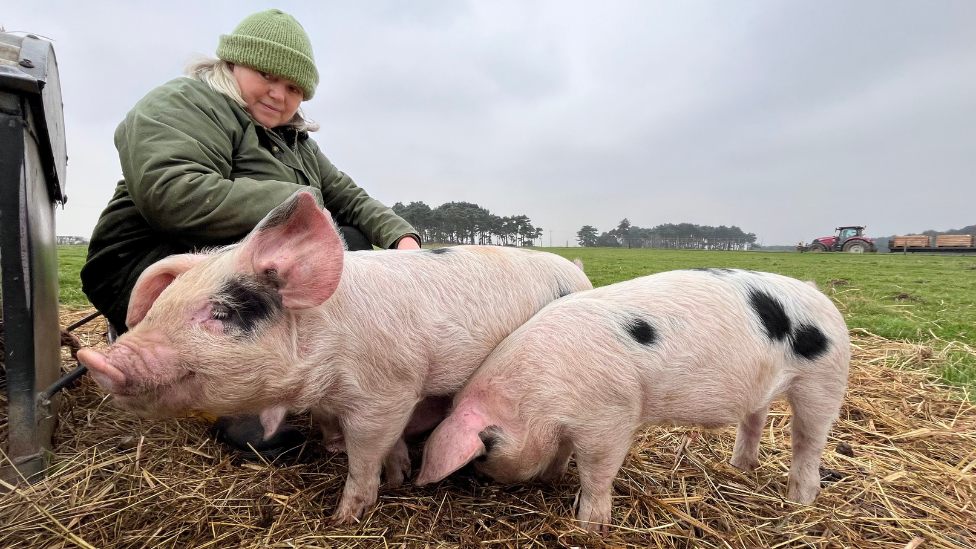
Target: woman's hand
407 243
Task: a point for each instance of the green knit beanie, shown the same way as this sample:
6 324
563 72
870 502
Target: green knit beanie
273 42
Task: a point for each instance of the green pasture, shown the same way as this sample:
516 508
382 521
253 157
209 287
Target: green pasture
922 298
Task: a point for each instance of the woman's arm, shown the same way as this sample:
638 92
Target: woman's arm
349 204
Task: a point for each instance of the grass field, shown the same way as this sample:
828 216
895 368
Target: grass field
920 298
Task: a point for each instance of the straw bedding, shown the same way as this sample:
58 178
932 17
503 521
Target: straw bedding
900 471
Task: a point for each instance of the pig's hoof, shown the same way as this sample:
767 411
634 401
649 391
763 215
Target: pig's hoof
344 518
348 514
396 467
745 464
335 447
598 528
593 520
803 495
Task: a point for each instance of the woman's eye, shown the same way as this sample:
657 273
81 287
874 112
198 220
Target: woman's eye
294 89
265 75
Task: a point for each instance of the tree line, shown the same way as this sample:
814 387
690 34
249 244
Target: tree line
668 235
467 223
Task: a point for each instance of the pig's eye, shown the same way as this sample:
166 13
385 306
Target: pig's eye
219 312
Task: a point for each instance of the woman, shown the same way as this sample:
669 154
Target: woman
206 157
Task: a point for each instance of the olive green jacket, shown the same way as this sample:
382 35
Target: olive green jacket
200 172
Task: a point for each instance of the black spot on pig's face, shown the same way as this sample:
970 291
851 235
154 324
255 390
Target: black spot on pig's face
809 342
243 303
771 313
438 251
641 331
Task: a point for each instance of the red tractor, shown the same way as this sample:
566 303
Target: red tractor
846 239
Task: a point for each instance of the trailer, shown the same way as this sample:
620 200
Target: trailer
943 243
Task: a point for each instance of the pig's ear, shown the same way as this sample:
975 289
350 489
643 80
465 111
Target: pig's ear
153 281
297 246
452 445
107 377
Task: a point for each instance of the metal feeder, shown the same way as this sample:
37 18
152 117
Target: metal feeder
32 179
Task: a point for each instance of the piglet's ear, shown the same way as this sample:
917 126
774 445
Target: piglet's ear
299 248
153 281
452 445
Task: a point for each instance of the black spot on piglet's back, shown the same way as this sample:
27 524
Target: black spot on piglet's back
771 313
439 251
642 331
715 270
562 290
809 342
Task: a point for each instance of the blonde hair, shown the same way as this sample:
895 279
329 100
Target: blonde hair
218 74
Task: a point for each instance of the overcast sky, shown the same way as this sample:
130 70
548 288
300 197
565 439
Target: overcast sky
785 118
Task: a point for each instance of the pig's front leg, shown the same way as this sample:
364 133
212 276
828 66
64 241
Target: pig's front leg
598 465
368 444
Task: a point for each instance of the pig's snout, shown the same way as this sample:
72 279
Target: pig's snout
106 375
133 367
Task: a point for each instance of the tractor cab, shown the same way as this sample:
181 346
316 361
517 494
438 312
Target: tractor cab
843 233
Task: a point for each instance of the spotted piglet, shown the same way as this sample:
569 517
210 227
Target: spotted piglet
703 347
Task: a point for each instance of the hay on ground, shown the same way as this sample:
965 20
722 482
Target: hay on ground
900 472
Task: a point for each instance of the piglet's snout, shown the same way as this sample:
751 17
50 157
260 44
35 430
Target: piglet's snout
133 366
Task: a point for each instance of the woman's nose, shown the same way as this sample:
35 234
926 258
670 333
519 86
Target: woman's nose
277 91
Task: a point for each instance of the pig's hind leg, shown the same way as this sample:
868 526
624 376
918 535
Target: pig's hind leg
745 454
815 405
598 465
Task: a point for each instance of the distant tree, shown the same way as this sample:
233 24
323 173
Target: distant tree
607 240
587 236
467 223
623 228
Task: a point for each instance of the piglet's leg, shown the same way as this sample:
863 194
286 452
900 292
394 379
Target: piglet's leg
745 454
368 443
598 465
814 410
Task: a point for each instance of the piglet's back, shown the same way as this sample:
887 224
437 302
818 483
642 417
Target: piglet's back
453 305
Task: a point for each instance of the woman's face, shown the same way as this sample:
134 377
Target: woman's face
270 99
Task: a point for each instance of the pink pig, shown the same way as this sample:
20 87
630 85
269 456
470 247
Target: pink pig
707 347
288 321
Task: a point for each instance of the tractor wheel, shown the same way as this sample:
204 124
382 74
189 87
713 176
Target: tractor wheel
857 247
817 247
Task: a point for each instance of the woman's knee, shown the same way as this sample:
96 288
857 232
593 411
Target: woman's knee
355 239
